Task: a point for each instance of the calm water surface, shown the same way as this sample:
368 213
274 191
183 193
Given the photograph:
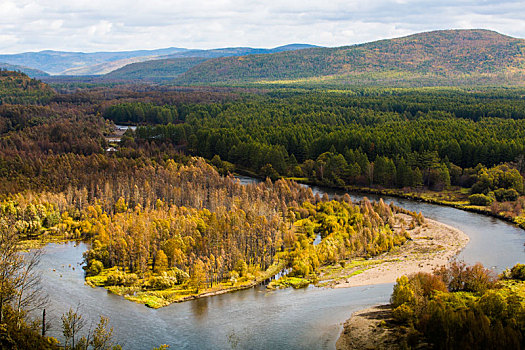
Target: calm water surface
256 319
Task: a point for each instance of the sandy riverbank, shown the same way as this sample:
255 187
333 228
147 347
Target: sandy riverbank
432 245
368 329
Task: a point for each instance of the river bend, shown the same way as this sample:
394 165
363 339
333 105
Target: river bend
308 318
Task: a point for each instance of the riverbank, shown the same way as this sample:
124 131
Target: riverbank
455 198
432 245
369 329
306 309
157 298
451 198
381 327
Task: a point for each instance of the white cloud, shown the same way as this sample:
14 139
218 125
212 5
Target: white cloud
94 25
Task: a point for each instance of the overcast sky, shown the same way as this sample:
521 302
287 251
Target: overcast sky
115 25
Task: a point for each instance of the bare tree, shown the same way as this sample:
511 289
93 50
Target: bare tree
101 338
72 325
20 286
30 294
10 264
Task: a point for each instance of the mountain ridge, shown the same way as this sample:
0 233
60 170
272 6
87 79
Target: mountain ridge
31 72
56 62
162 69
18 88
102 62
442 57
477 55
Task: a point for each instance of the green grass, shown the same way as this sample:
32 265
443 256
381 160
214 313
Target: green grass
286 281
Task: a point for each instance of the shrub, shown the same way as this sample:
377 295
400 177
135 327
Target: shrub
402 293
493 304
518 272
268 171
478 279
117 278
164 281
95 268
403 313
480 199
300 268
460 277
426 284
241 267
503 195
180 275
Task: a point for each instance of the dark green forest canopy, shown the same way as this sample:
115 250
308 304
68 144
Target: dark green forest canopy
383 136
285 128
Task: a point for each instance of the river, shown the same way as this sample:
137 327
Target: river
308 318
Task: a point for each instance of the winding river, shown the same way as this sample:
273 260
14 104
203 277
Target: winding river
308 318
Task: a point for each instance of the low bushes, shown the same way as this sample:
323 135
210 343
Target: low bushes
118 278
480 199
461 307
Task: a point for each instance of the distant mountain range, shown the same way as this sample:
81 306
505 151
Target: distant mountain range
32 72
99 63
59 62
155 70
445 57
175 64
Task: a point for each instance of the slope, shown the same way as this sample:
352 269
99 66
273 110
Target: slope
18 88
155 70
56 62
31 72
178 63
449 57
98 63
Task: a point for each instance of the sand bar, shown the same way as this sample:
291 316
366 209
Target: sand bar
432 245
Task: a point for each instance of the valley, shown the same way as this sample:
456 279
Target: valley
229 198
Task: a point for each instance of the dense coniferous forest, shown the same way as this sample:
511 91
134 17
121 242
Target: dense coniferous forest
384 137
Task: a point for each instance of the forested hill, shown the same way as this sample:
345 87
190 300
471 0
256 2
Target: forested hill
18 88
174 65
32 72
166 69
450 57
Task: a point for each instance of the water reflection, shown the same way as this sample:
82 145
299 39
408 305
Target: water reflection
199 307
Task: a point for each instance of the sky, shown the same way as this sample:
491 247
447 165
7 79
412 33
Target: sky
116 25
